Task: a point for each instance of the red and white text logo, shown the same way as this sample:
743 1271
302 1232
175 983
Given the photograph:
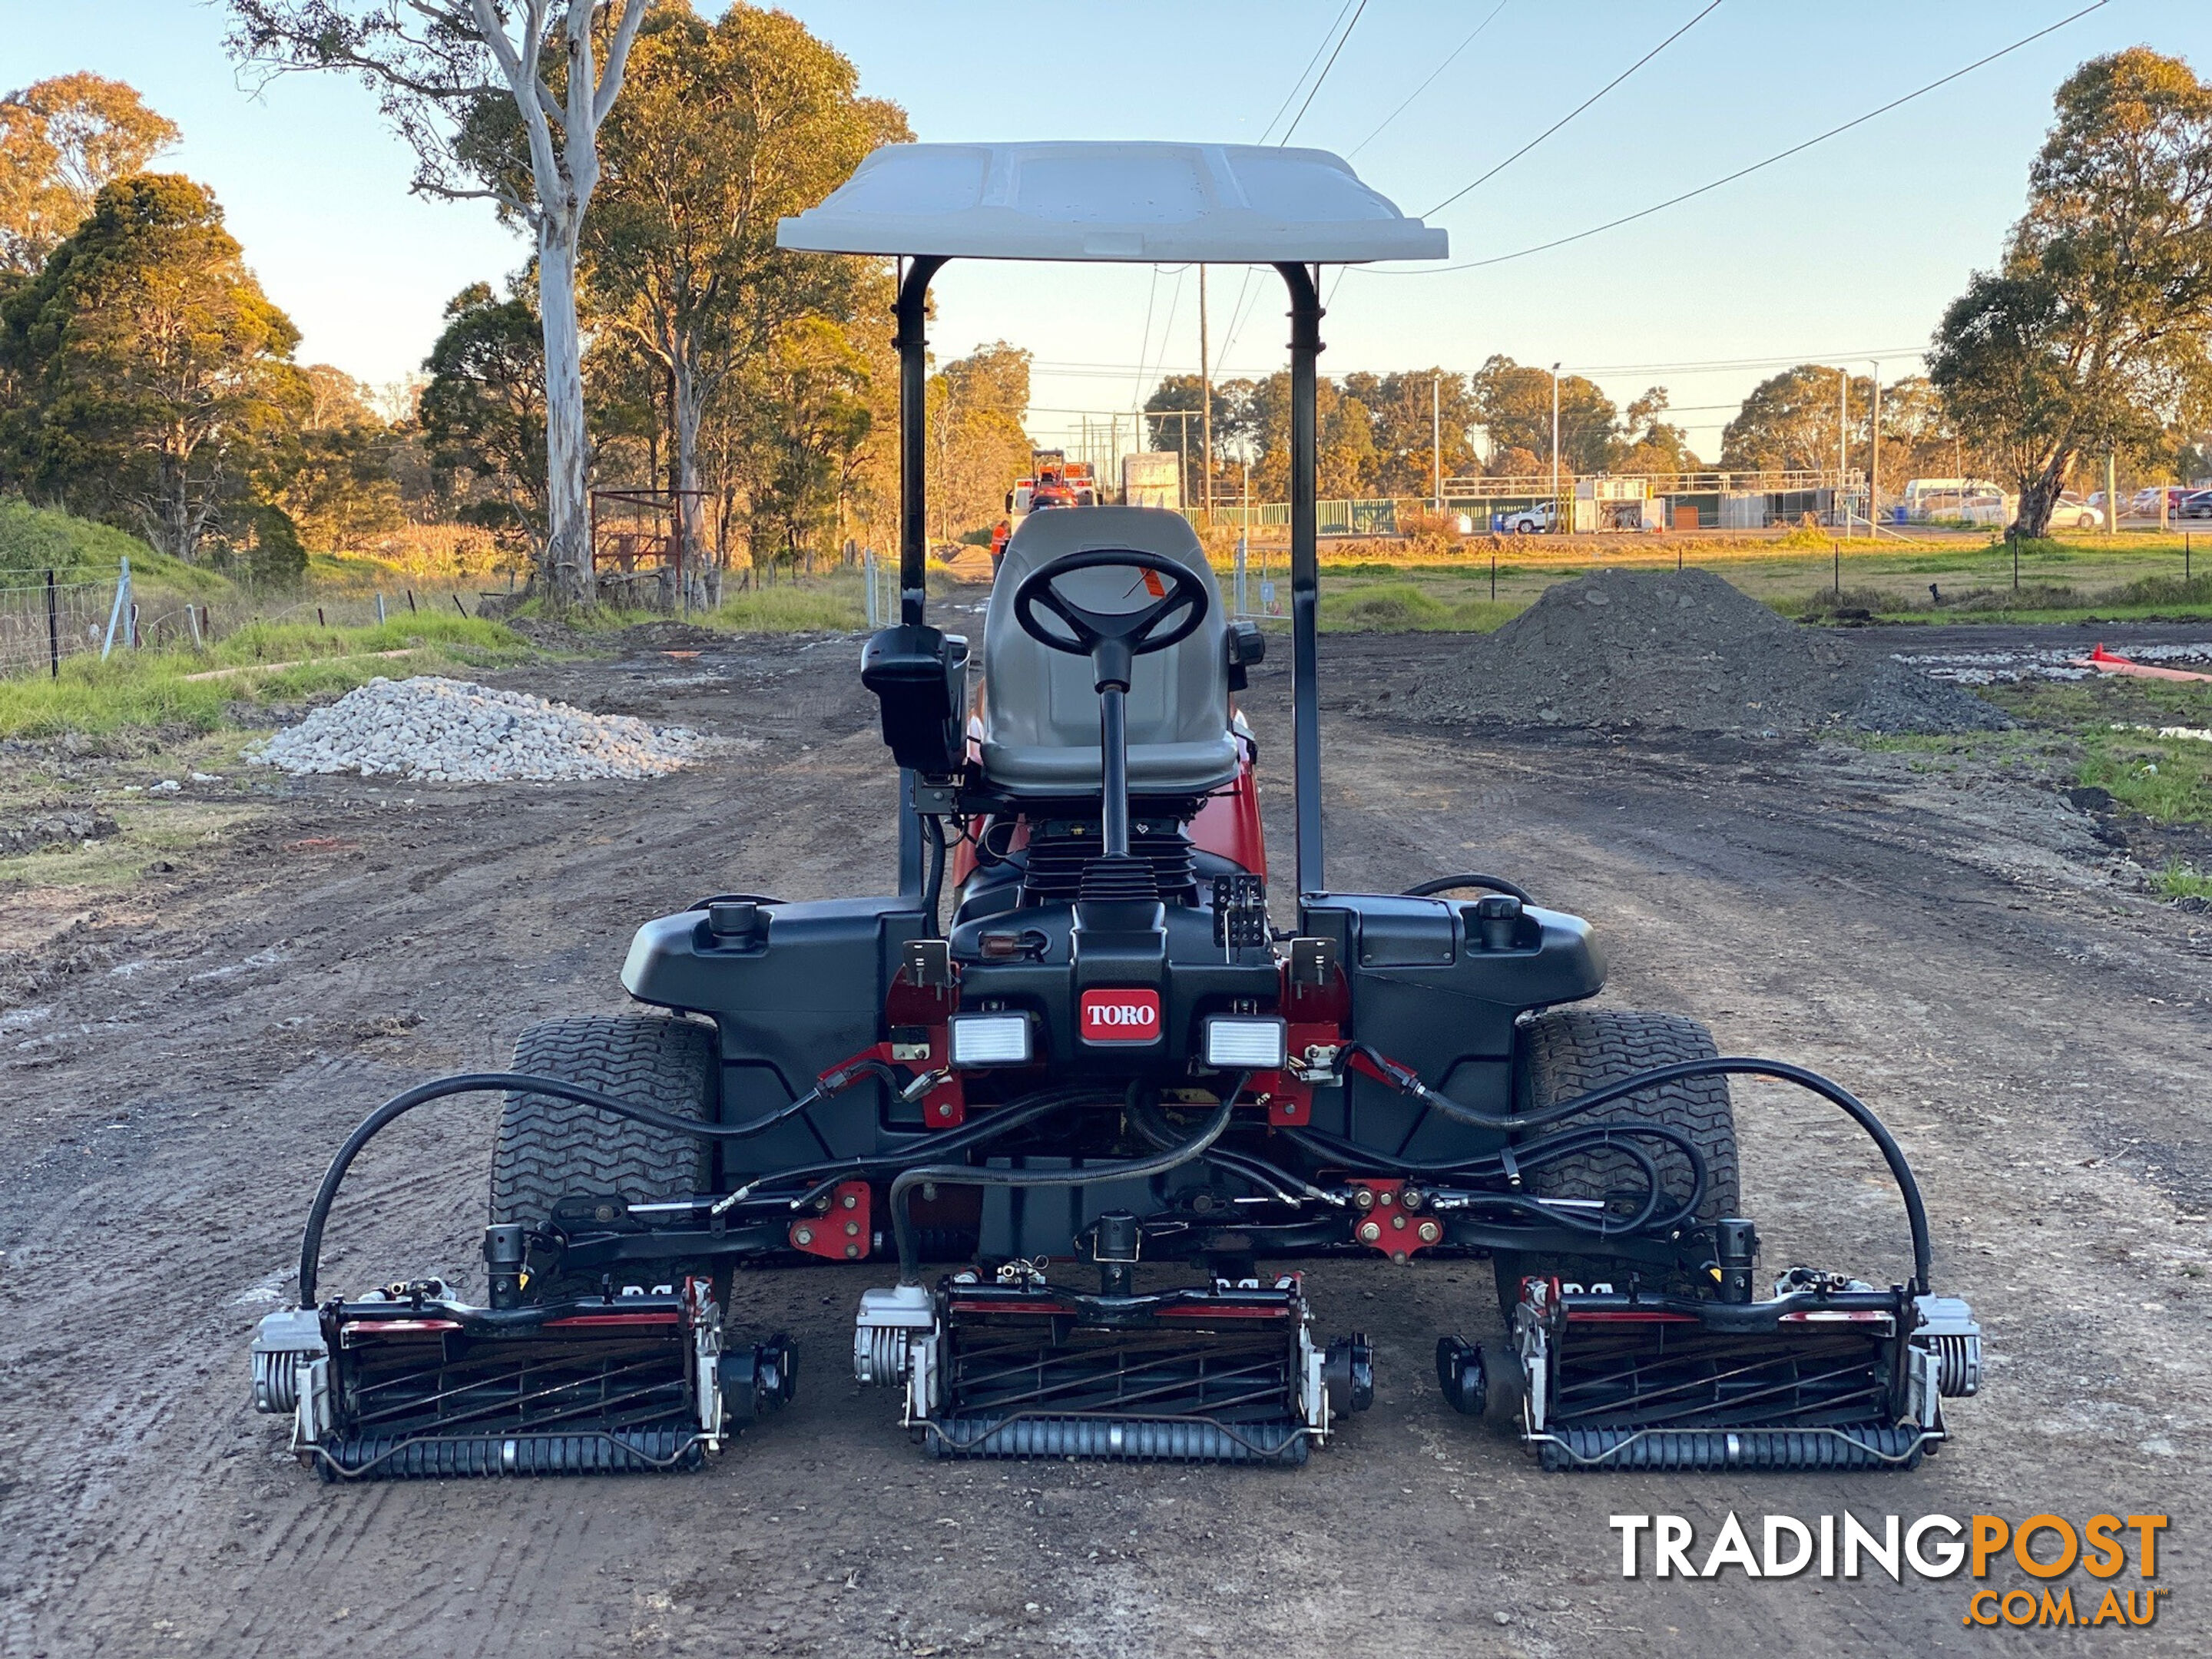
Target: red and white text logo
1120 1015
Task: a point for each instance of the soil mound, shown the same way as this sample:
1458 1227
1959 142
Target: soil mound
1687 651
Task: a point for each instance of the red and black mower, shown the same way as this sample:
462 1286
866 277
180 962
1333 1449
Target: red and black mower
1092 1101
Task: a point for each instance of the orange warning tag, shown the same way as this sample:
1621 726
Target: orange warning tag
1154 586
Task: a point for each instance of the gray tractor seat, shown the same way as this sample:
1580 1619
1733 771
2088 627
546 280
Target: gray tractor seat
1041 706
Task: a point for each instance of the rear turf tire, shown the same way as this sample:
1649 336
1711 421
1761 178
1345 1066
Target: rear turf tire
549 1148
1570 1051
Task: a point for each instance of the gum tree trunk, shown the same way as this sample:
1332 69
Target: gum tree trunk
568 447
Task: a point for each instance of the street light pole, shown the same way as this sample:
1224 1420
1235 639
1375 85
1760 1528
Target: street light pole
1555 449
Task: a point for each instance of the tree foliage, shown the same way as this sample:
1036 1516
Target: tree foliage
62 141
1515 403
725 129
483 413
152 378
435 66
1792 421
2091 335
977 445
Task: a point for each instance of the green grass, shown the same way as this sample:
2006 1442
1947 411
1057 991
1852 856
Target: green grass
36 539
1404 607
2177 880
2168 780
152 689
798 608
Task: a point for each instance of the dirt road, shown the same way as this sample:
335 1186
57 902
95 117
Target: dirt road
178 1059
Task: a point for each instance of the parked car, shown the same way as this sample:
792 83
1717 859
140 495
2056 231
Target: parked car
2196 504
2070 512
1528 520
2145 504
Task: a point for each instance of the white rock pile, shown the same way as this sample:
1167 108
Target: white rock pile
435 730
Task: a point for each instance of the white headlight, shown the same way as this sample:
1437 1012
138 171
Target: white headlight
1243 1042
990 1040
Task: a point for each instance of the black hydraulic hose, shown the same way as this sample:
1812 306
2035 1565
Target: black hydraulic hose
1445 883
1025 1111
310 1245
1145 1119
932 891
967 1174
1915 1212
1534 1155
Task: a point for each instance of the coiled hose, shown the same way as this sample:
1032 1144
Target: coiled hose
1916 1211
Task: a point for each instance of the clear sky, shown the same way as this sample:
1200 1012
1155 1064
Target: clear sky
1851 249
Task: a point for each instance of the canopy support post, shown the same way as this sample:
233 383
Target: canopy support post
1304 284
912 340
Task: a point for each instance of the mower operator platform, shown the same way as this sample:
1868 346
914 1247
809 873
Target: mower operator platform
1076 1041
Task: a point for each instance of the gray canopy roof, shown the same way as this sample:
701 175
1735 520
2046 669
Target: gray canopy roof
1142 203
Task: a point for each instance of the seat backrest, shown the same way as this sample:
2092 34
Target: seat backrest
1041 706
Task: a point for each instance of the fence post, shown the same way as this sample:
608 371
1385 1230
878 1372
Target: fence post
411 599
192 621
458 606
868 573
53 628
1241 609
115 614
379 607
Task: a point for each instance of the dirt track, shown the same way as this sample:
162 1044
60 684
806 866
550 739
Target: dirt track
177 1063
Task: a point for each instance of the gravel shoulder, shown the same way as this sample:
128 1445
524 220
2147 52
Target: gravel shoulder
180 1052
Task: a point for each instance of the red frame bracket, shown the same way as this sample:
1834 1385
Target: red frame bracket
842 1233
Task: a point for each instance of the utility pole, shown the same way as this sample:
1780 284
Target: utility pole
1842 445
1436 438
2112 494
1205 398
1555 449
1874 453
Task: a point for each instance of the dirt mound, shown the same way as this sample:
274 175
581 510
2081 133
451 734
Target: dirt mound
1686 650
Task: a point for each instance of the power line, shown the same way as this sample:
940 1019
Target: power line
1076 370
1578 108
1742 173
1326 68
1304 72
1426 85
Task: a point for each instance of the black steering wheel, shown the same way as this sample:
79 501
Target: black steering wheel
1113 639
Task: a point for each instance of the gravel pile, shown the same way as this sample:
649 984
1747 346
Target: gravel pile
1686 650
437 730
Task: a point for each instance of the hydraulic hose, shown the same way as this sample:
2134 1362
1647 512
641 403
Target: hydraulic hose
967 1174
1145 1118
1915 1212
932 891
825 1176
1445 883
311 1244
1534 1155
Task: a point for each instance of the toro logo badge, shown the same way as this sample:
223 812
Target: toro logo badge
1122 1015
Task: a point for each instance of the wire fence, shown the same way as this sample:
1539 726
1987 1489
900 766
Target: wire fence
44 620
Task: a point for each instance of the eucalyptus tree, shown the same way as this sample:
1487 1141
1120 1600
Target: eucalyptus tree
727 127
2091 335
434 66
